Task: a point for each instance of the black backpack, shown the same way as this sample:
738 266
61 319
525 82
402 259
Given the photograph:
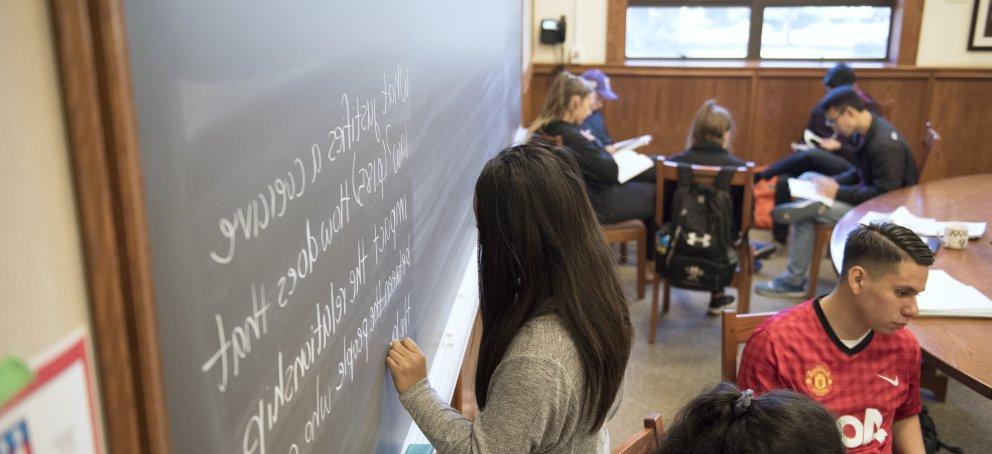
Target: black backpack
700 253
931 442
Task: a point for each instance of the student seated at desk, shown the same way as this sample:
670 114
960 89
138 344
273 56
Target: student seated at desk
726 420
569 102
883 163
708 143
848 350
556 329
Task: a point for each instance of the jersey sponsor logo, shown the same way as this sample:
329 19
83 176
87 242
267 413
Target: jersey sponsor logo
818 380
854 433
892 381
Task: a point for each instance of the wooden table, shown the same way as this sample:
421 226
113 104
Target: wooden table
960 347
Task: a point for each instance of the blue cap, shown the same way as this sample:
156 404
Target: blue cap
602 84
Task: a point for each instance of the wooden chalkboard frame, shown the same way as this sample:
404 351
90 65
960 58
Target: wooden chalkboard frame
95 74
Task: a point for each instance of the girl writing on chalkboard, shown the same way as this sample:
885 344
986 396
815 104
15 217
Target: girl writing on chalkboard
556 329
569 103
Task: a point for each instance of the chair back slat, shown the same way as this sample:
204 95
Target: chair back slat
647 440
930 139
737 329
743 177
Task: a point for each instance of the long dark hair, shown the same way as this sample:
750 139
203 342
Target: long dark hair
541 248
725 420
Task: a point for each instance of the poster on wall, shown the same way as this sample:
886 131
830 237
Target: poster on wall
981 26
55 413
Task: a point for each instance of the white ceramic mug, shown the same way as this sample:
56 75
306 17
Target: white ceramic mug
955 235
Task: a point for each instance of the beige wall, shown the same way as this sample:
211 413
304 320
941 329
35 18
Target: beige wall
943 38
585 40
41 268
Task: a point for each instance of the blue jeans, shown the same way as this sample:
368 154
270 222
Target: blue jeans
803 235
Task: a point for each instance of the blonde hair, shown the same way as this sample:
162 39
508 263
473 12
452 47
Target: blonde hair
556 105
712 121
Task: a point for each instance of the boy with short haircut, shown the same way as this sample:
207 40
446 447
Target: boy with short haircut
848 350
882 164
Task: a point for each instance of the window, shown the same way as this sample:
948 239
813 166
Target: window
759 29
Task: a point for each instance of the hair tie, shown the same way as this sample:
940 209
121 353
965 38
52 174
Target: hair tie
743 402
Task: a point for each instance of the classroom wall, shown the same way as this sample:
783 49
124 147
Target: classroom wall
41 268
943 35
585 35
771 107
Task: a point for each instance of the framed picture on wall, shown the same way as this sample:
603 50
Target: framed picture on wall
981 26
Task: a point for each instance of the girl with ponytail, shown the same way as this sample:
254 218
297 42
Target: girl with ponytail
726 420
570 101
708 144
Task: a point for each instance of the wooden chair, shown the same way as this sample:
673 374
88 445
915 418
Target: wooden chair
930 139
622 232
647 440
737 329
744 177
820 243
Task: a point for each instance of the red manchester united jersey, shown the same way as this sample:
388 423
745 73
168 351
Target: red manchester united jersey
866 387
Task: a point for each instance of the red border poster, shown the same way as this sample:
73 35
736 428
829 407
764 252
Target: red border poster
55 413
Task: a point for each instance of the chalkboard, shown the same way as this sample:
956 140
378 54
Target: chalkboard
308 170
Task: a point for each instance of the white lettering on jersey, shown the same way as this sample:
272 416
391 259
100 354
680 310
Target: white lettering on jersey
865 433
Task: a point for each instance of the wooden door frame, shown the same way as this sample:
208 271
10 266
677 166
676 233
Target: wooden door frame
95 74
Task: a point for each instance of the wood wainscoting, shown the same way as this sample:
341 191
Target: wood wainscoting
771 107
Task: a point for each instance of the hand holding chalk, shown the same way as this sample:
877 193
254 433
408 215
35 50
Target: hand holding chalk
406 364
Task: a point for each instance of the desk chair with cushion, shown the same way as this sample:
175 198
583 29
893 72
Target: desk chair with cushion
743 177
737 329
622 232
647 441
823 231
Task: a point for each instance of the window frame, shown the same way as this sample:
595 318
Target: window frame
757 22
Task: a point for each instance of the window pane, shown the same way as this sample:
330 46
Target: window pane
687 32
828 32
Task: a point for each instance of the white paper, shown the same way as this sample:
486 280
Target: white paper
811 138
948 297
921 226
802 189
630 163
633 144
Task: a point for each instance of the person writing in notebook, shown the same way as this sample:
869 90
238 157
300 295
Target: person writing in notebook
849 350
883 163
556 328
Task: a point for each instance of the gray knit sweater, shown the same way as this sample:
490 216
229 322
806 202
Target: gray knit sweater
534 402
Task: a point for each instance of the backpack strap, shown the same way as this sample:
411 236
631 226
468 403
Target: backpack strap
724 177
685 174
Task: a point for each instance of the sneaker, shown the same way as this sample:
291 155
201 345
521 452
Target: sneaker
763 250
779 288
718 304
787 213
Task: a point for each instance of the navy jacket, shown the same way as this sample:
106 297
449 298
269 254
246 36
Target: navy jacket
882 164
599 169
596 124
